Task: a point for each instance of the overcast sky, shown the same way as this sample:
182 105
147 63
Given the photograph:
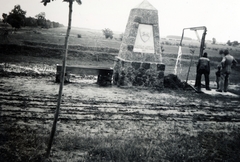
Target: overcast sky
221 17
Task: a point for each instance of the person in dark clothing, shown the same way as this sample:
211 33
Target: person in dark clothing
203 67
218 76
227 62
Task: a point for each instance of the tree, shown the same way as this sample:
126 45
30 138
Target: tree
14 22
235 43
214 41
229 43
107 33
30 21
41 20
63 71
16 17
49 24
41 15
45 2
55 24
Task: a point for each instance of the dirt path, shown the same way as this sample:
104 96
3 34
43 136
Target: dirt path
88 111
28 98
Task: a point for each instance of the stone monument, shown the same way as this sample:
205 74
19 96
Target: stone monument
139 62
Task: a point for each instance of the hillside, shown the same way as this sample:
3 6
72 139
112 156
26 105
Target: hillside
37 45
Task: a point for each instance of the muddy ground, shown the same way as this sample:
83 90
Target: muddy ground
93 119
109 123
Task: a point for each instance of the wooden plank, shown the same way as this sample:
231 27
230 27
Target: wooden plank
83 70
87 67
192 87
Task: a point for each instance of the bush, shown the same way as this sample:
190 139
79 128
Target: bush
79 36
107 33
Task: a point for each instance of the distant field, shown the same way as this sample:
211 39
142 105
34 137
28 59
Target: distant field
46 47
95 38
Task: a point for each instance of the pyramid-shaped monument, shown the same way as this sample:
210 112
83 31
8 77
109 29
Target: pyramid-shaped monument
145 5
140 49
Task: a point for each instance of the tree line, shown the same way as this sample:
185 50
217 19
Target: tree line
234 43
17 19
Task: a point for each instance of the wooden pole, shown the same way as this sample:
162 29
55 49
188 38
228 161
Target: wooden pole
192 52
202 47
63 71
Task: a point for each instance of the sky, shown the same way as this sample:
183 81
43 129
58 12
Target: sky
221 17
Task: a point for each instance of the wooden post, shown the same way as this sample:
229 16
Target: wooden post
62 78
202 47
192 52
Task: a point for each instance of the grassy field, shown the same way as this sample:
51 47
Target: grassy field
108 123
89 37
48 43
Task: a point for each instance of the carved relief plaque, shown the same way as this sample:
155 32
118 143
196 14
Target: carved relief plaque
144 42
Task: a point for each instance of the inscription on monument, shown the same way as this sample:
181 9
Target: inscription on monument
144 41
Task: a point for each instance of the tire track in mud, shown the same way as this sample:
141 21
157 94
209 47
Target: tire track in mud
17 106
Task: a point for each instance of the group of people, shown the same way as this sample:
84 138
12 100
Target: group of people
222 75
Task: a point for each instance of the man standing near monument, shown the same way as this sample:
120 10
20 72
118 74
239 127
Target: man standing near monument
203 67
226 64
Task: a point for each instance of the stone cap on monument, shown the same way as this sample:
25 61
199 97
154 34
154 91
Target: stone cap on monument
141 37
145 5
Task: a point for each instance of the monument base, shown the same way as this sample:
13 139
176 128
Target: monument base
146 74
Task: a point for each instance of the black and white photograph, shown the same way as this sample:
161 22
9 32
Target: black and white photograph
119 81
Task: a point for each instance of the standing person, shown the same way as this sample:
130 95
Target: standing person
226 63
219 67
218 75
203 67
